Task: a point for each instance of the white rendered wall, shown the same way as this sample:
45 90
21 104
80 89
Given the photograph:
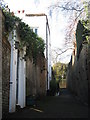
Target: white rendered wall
21 80
13 73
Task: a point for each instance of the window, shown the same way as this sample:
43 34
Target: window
36 30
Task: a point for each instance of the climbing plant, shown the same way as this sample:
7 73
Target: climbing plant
34 44
82 33
10 21
86 31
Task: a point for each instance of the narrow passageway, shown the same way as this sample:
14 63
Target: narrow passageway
63 106
45 52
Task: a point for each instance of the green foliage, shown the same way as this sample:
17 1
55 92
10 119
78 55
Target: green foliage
10 21
82 34
34 44
79 37
86 31
59 70
86 7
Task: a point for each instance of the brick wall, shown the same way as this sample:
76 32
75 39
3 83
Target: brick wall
88 62
88 72
78 78
42 76
0 64
30 81
36 77
6 53
5 75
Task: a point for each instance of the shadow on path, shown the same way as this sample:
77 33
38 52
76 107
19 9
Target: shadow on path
63 106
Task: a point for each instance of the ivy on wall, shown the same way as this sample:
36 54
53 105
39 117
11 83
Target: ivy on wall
34 44
79 37
82 33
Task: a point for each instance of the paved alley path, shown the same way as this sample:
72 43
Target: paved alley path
63 106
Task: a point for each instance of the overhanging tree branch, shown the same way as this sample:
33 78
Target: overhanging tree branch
74 10
68 8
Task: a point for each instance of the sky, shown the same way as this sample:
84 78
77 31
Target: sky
57 22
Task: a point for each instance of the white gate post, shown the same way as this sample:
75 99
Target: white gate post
21 85
13 73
